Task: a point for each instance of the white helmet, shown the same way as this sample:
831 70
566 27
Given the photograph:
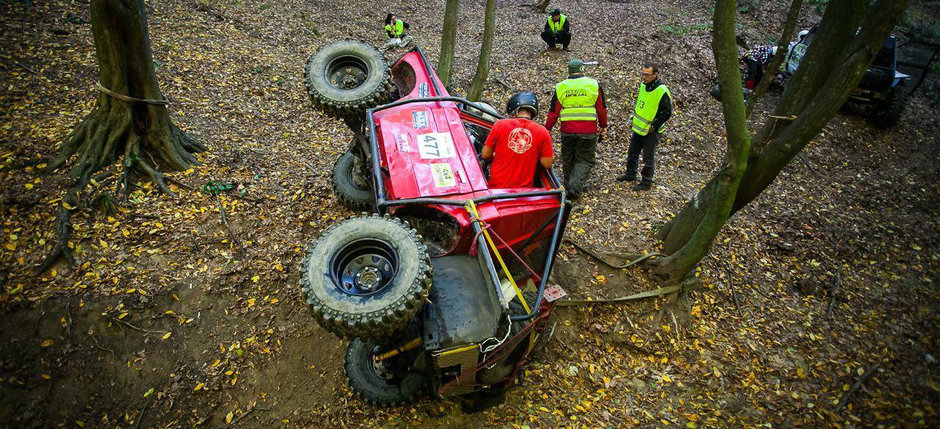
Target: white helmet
802 34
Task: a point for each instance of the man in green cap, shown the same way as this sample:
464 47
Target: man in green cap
579 105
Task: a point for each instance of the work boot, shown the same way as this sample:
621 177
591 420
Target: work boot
626 178
642 186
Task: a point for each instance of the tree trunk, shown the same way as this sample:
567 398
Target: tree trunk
679 263
782 45
483 63
831 74
448 41
541 5
130 120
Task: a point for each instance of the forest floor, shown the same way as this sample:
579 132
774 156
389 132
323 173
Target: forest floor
832 273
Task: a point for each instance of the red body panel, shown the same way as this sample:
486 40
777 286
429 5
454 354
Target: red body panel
425 152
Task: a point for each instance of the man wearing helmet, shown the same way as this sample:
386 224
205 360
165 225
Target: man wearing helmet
517 145
579 105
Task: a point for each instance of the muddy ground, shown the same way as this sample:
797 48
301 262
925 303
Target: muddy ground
167 323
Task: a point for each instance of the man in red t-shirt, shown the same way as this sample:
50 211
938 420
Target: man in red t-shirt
516 145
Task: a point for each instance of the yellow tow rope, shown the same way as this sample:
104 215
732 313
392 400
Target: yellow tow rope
472 209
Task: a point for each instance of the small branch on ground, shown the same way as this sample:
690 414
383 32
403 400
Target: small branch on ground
858 384
231 232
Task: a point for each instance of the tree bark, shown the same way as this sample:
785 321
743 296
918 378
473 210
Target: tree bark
139 132
448 41
483 63
681 262
832 74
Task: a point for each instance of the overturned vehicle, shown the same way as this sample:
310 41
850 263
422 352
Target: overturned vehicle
443 288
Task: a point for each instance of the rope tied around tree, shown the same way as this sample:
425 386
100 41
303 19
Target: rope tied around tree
130 99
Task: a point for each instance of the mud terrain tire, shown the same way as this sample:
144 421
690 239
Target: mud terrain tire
345 78
888 112
366 277
351 189
369 384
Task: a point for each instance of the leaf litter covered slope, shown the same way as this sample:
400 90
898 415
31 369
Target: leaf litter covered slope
168 320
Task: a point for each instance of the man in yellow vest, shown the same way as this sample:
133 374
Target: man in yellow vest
557 30
653 109
395 30
579 105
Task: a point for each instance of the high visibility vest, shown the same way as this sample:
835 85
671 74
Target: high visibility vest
556 27
577 97
397 30
647 104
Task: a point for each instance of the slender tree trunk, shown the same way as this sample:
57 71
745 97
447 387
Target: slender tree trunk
483 63
832 75
541 5
782 45
448 41
129 122
678 264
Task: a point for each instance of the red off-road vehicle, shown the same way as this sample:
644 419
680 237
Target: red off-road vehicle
443 288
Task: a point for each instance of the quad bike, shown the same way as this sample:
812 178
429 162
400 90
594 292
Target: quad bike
443 288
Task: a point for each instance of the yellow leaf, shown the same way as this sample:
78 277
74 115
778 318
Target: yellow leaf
46 377
199 386
10 246
228 417
166 335
47 343
801 372
666 378
255 279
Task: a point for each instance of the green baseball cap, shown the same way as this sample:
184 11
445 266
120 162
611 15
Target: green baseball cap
575 66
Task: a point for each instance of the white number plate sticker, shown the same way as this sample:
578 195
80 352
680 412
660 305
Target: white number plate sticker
443 175
436 146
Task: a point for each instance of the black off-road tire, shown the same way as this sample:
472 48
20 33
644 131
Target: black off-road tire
372 387
332 98
888 112
351 189
380 314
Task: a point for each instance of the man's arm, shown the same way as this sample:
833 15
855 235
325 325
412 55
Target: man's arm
487 153
552 116
547 28
547 161
601 106
546 152
564 28
663 113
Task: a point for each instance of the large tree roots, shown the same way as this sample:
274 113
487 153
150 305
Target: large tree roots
142 138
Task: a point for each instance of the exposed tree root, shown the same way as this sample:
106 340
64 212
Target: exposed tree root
115 130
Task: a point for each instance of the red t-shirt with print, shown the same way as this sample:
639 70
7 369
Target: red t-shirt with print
517 144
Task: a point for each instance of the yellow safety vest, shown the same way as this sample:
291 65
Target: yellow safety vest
577 97
647 104
397 30
556 27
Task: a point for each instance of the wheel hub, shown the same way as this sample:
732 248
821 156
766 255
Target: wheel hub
347 73
364 267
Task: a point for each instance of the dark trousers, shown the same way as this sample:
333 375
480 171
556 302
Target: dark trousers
755 72
647 146
553 39
577 160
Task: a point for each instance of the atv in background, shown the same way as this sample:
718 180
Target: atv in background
443 288
881 93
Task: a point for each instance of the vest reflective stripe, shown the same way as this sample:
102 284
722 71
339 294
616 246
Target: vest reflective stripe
397 30
556 27
647 104
577 98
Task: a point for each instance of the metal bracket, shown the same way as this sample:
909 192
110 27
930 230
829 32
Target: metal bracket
554 293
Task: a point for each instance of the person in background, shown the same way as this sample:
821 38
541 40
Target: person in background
653 109
395 30
557 30
518 145
579 105
757 61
